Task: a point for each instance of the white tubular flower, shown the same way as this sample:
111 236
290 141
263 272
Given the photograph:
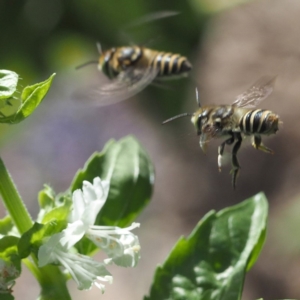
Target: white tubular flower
86 206
84 270
120 244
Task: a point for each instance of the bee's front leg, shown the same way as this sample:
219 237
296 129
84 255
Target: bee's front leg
235 162
221 150
257 144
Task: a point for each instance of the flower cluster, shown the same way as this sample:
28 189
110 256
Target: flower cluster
120 244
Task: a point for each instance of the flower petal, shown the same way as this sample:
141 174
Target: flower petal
120 244
84 270
89 193
78 206
73 233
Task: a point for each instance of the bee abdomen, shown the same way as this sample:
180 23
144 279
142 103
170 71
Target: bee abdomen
170 64
259 121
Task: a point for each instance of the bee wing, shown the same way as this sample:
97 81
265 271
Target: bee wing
259 91
151 18
127 84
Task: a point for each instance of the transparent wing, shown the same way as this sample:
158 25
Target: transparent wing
259 90
151 18
126 85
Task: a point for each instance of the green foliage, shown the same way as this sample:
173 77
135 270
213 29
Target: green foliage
53 218
10 265
31 97
6 225
54 207
130 171
33 238
211 263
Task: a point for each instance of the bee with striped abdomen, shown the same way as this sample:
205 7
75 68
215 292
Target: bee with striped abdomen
114 61
236 121
132 68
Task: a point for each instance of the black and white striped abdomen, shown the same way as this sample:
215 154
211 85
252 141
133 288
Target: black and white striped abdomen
169 64
260 121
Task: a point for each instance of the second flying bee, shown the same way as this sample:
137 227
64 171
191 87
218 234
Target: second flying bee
115 61
132 68
236 121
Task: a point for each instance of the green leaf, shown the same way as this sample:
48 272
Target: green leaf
46 197
54 208
130 171
32 239
6 225
7 297
31 97
10 264
211 263
59 215
8 83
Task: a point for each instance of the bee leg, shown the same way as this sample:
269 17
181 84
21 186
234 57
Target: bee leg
257 144
235 162
221 150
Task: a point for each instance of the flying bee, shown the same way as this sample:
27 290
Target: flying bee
235 121
131 68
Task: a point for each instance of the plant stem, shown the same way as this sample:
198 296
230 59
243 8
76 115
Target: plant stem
13 202
50 278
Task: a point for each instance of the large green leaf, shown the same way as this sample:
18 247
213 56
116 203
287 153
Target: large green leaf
211 263
130 171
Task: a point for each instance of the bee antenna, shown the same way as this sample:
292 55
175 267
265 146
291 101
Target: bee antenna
99 48
178 116
86 64
197 98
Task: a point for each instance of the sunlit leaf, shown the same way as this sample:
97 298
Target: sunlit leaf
211 263
31 97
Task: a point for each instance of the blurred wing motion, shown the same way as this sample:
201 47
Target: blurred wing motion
258 92
151 18
124 86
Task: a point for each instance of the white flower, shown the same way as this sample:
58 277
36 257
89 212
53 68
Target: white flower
84 270
86 206
121 245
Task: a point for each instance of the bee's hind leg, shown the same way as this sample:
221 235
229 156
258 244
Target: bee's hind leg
257 144
235 163
221 150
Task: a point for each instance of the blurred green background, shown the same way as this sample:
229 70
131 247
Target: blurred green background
230 44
